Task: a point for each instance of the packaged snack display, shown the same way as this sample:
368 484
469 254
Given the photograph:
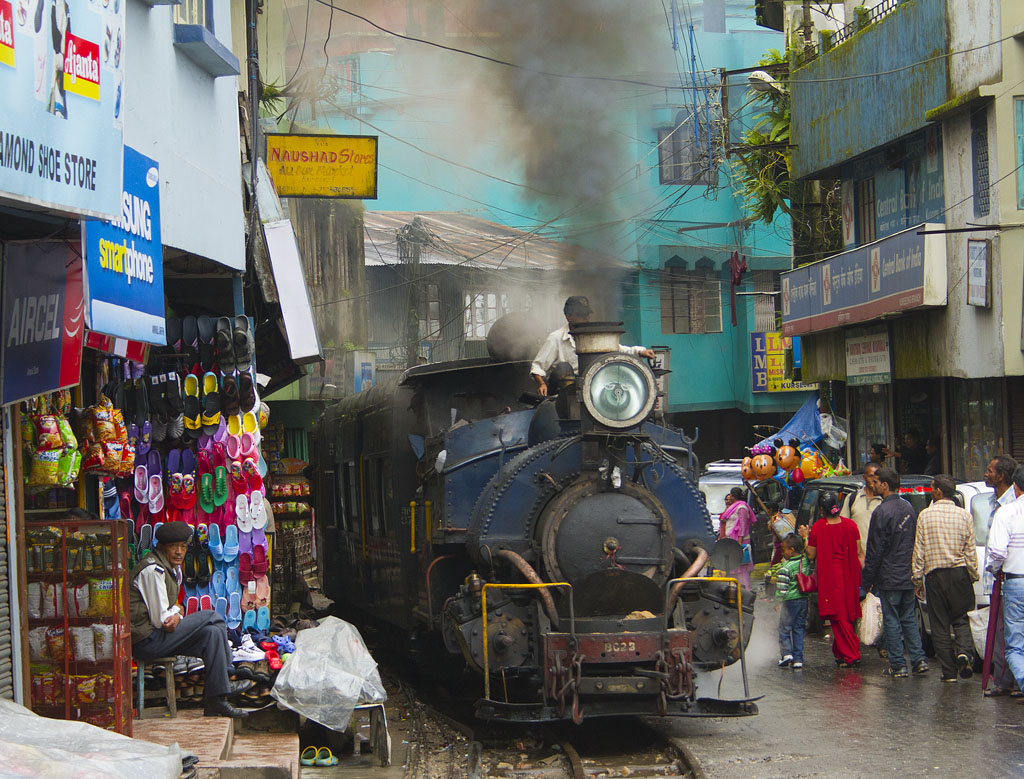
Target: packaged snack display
35 600
78 600
47 432
56 643
44 469
103 639
52 600
101 597
37 649
83 644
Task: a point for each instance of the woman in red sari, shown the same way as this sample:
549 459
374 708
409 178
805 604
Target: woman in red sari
834 544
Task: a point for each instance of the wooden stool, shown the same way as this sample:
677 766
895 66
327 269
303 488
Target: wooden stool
171 708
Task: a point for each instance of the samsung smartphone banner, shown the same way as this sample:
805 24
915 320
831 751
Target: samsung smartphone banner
61 76
42 319
124 273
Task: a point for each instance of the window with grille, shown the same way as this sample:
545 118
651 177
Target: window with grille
687 151
865 200
482 310
691 300
430 313
765 282
979 160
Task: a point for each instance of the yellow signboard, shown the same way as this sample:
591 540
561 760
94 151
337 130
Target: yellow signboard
341 166
768 363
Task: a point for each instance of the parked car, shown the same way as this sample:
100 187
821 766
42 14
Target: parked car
716 483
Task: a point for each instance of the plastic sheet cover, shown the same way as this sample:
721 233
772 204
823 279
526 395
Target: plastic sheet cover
329 674
38 746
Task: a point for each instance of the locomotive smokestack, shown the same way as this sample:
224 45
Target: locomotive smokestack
594 339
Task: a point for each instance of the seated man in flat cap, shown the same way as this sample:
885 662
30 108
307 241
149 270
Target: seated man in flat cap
560 347
159 630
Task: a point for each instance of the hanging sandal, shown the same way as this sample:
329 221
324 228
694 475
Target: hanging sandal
191 406
225 345
210 416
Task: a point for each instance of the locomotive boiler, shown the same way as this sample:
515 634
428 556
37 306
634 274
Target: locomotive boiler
555 546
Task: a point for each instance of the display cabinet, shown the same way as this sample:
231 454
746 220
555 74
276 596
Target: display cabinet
79 638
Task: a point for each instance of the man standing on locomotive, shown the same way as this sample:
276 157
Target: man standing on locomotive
560 346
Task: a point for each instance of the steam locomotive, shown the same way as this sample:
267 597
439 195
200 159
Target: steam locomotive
556 546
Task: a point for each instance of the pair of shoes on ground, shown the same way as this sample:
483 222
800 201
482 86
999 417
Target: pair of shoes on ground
318 756
789 662
900 672
222 707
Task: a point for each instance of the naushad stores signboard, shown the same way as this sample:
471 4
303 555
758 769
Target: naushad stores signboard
61 76
124 275
336 166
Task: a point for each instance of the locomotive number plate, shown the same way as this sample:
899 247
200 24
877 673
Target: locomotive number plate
620 646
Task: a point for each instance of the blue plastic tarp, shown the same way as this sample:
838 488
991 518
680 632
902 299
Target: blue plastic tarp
805 423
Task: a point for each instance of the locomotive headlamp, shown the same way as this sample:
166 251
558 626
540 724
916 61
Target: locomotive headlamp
619 391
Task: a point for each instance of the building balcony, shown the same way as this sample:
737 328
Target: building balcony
904 272
869 84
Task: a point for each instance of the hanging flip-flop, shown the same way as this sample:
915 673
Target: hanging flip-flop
191 406
156 482
146 537
221 607
263 591
206 503
257 510
173 331
252 475
224 345
189 336
243 344
234 618
238 481
244 569
230 545
232 582
259 561
156 389
191 605
141 483
243 519
210 416
259 538
205 603
207 351
249 621
248 400
216 545
145 441
217 582
230 403
220 475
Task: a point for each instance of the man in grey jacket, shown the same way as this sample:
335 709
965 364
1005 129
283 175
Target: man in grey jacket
887 569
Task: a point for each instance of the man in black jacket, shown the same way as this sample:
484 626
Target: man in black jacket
887 569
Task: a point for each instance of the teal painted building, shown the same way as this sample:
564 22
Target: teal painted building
606 127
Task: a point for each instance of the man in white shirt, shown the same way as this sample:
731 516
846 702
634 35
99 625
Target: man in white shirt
861 504
159 630
998 476
560 346
1006 559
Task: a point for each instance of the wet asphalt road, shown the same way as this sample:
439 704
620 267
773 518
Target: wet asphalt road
824 722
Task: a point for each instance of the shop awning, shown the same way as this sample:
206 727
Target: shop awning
903 272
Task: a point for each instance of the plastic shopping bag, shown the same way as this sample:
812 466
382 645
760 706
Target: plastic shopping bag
979 628
870 620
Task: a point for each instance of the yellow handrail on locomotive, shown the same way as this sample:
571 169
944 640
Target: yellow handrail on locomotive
483 608
739 612
412 527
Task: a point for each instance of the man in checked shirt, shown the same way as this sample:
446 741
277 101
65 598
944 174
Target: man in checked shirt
1006 559
945 562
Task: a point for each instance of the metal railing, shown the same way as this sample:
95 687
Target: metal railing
483 607
739 614
812 51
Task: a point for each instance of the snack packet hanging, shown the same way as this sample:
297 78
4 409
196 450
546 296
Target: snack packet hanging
47 432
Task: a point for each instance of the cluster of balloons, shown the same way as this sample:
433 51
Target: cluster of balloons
785 462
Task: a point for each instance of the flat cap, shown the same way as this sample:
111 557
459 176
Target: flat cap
174 532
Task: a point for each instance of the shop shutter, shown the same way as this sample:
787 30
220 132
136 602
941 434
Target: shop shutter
1016 393
6 663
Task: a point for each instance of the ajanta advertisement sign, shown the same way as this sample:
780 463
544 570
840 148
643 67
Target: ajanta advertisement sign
61 75
337 166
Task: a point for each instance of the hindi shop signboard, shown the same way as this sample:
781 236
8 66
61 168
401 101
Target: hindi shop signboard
61 76
768 363
900 273
868 360
42 319
124 268
335 166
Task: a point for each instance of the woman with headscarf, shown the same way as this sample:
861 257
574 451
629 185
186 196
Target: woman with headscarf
833 543
735 523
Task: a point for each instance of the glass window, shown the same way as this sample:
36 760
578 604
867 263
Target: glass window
691 301
430 313
976 425
865 200
870 421
482 310
808 511
1018 114
688 151
714 496
981 510
195 12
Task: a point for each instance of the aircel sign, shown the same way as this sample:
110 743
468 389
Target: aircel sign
899 273
124 279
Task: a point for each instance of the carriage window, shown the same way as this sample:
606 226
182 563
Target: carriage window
386 496
371 470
